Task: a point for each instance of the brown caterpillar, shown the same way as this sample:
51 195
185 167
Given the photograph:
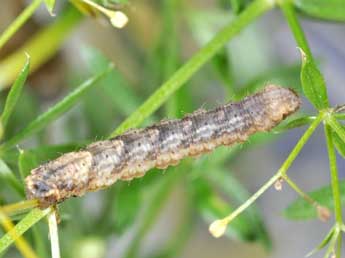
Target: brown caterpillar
131 154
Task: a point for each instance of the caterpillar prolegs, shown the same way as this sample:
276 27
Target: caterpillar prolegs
133 153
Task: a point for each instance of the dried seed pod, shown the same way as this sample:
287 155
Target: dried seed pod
133 153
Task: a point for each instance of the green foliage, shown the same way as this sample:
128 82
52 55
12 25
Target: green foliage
7 176
54 112
21 227
333 10
300 209
313 84
14 93
210 191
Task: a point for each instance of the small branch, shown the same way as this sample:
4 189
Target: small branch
19 207
322 211
22 245
218 227
336 126
19 21
296 28
334 175
53 233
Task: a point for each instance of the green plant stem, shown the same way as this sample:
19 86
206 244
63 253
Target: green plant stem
334 174
336 126
340 116
281 172
302 141
21 227
298 190
254 10
290 15
50 38
338 251
19 21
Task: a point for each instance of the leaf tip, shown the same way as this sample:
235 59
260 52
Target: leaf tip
303 54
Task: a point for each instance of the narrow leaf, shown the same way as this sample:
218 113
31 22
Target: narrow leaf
29 220
54 112
333 10
301 209
337 127
14 93
339 144
50 4
313 83
294 123
26 161
323 243
7 176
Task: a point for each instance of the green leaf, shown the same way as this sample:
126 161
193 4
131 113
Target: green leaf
339 144
323 243
313 83
7 176
29 220
26 162
294 123
302 210
15 92
212 207
50 4
337 127
233 189
54 112
333 10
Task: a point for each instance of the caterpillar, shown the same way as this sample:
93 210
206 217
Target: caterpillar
133 153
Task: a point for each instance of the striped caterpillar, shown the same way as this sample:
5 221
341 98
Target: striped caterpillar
133 153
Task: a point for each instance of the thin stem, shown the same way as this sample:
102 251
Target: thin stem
217 228
181 76
336 126
53 233
298 190
295 26
22 245
302 141
340 116
19 21
334 175
338 250
251 200
21 227
19 207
